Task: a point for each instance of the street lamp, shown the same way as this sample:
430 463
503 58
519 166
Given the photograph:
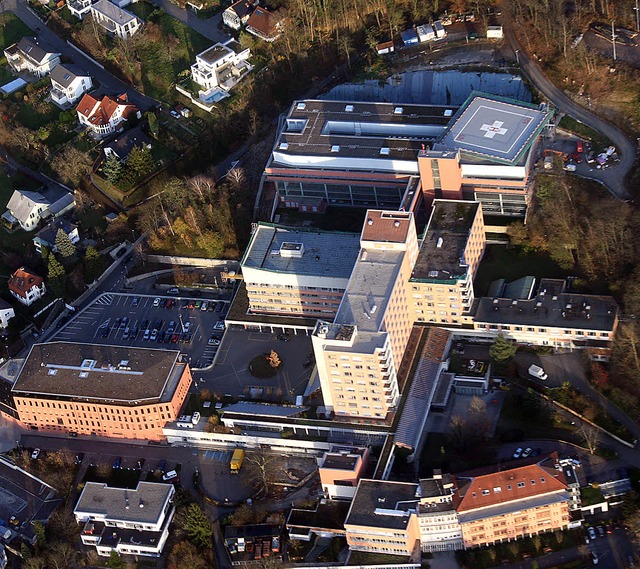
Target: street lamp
517 56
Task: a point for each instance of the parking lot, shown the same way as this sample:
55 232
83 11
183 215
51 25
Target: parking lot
194 326
230 374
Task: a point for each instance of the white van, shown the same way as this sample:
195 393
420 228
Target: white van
170 475
537 371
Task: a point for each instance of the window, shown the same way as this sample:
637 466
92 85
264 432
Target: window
520 484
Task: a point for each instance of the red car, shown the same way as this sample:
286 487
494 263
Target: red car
577 158
579 146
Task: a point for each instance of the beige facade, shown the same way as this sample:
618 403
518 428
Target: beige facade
340 471
441 283
357 355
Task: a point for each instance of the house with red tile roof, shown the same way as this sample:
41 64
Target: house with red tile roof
264 24
510 504
105 116
26 286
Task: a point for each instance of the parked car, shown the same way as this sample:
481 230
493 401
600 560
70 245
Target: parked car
600 531
213 341
173 290
174 114
156 302
527 452
204 305
154 335
536 452
117 463
135 301
518 453
162 465
35 454
171 475
537 371
591 532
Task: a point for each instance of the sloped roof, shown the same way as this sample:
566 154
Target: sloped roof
113 12
498 488
125 143
30 48
263 23
22 281
100 112
22 202
66 74
242 8
48 234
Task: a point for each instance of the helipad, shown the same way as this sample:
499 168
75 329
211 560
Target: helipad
494 128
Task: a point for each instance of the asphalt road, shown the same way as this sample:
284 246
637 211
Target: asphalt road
209 28
615 177
108 81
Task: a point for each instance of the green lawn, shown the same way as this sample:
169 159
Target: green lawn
511 263
161 65
32 119
572 125
12 29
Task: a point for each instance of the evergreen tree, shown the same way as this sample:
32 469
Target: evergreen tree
502 349
139 162
93 266
64 245
112 168
154 124
198 527
56 277
115 561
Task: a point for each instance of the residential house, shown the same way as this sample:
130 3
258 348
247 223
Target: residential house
6 313
382 518
46 237
26 286
79 8
105 116
264 24
510 504
68 84
341 469
132 521
218 69
32 56
26 208
121 146
237 15
114 19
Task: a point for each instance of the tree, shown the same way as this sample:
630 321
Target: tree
115 562
198 527
264 468
212 423
112 168
93 265
184 555
139 163
56 277
71 164
590 436
38 529
154 124
64 245
247 514
502 350
63 555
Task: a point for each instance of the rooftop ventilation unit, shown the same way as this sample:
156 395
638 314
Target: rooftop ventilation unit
349 108
398 111
385 151
301 106
448 113
291 250
283 146
335 148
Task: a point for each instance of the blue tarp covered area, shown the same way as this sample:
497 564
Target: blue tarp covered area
13 86
432 88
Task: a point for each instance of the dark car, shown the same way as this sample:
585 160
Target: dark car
144 325
162 465
161 337
117 462
116 324
159 324
79 458
141 462
536 452
135 301
105 331
286 337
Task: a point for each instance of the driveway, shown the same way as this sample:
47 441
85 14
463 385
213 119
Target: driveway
209 28
21 10
614 178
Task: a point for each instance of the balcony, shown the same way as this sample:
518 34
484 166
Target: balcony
59 97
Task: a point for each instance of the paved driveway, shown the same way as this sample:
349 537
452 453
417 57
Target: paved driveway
209 28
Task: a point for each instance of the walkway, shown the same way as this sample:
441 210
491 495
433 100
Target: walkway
613 178
113 84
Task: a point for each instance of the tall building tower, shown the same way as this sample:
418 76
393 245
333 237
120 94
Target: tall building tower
358 354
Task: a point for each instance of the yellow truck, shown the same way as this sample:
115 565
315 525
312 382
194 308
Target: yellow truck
236 461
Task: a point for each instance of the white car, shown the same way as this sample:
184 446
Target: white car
219 325
174 114
591 532
35 454
527 452
156 302
518 453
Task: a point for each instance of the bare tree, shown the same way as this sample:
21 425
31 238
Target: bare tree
202 185
236 176
590 436
265 468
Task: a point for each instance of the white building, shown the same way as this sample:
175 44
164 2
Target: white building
218 69
68 85
105 116
237 15
134 522
437 516
27 208
79 8
26 286
31 56
114 19
46 237
6 313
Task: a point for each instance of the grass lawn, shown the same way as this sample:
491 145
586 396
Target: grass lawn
5 74
511 263
12 29
32 119
19 239
598 140
93 219
163 59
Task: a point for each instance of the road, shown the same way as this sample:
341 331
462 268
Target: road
209 28
45 35
615 177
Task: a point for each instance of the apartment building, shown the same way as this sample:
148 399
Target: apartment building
357 355
382 518
437 516
298 272
486 154
133 521
341 469
510 504
441 282
109 391
114 19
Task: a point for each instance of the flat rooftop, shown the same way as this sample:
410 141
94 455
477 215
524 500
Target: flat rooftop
563 310
327 516
105 374
384 131
215 53
341 461
441 255
494 128
384 504
320 253
143 505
